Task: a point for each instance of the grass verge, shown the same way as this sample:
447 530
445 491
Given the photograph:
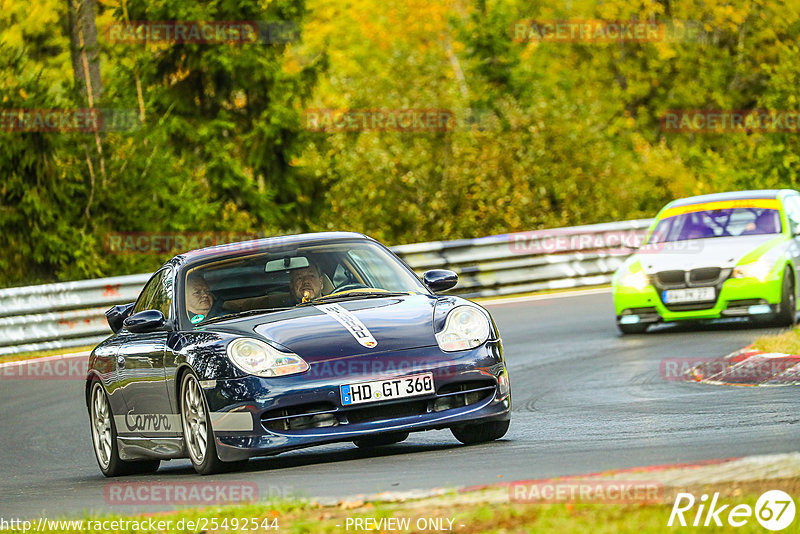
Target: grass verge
787 342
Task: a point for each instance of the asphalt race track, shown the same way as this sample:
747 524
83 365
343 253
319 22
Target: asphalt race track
585 400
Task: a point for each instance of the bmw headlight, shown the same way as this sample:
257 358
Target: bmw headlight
635 279
465 328
258 358
758 269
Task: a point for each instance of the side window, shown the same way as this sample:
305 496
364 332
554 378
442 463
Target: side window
157 294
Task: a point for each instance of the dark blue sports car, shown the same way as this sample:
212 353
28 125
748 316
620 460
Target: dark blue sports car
265 346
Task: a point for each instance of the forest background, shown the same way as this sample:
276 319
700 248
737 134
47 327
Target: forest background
545 132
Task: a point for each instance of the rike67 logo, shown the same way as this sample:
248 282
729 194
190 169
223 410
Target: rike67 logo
774 510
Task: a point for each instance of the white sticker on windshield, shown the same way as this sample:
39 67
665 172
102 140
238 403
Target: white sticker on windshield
351 322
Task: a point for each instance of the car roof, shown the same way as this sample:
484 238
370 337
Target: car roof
256 245
733 195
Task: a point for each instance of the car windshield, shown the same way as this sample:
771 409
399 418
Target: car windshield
288 277
704 224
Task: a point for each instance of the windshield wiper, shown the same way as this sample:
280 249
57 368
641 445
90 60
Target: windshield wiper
242 314
355 294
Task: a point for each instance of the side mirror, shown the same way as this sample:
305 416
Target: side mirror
116 314
145 321
440 279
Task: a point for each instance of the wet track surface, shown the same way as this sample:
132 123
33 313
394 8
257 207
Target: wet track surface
585 400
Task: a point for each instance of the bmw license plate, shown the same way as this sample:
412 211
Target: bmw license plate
692 294
392 388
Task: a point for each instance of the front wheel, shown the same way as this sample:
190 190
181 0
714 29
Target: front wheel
787 316
480 432
197 432
104 439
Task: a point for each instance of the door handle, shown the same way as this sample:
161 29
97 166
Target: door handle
121 361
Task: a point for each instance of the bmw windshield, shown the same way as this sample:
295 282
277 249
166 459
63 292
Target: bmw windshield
704 224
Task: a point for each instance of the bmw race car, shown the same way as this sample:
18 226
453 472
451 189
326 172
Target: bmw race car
714 256
256 348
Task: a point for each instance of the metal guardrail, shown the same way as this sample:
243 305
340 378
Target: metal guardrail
71 314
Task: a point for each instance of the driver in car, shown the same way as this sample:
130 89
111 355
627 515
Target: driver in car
199 299
306 284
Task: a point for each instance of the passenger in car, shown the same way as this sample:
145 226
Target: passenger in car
765 223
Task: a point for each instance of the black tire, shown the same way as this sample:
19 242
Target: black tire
198 436
480 432
787 316
632 328
381 439
104 438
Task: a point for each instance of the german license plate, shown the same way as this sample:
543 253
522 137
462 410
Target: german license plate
392 388
692 294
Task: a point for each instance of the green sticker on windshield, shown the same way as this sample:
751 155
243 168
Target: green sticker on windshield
197 318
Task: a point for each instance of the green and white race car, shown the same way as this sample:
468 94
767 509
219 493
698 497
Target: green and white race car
714 256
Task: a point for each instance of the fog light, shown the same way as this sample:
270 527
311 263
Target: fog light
759 309
445 403
629 319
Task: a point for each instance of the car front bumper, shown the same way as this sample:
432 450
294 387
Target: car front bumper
274 415
738 297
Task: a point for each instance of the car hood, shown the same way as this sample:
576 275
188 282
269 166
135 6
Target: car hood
696 253
328 330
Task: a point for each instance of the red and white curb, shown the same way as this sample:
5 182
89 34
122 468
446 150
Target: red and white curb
748 367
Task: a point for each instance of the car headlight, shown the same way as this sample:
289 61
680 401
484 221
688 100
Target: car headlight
258 358
635 279
758 269
465 328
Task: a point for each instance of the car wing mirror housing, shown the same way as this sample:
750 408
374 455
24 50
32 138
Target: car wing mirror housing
440 279
117 314
145 321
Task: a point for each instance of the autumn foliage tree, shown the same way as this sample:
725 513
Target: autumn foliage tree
545 133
